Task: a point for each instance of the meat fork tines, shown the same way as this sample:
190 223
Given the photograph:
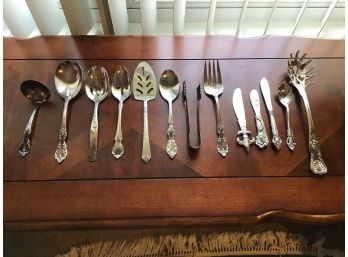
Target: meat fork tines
191 145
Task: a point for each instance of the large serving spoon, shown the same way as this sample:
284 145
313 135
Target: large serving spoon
121 89
97 89
285 97
170 89
68 81
37 93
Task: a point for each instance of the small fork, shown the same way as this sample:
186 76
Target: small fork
212 84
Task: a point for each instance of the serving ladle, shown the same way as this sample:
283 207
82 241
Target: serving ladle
68 81
97 89
37 93
169 89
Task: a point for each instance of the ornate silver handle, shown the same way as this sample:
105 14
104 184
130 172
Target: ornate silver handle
171 147
317 164
277 142
261 138
146 152
25 146
222 146
290 140
118 148
93 135
244 138
62 151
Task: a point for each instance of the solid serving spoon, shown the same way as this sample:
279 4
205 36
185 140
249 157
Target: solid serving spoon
97 89
285 97
37 93
170 88
68 81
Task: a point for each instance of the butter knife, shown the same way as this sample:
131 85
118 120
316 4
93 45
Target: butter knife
267 97
244 137
261 138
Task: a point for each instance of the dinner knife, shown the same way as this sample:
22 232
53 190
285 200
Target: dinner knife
261 138
244 137
267 97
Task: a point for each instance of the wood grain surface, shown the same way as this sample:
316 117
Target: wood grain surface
125 201
194 47
37 189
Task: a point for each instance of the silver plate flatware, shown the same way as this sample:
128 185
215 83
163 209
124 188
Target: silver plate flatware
213 86
144 89
261 138
38 94
97 89
68 82
244 137
192 144
285 98
170 88
300 77
121 90
277 142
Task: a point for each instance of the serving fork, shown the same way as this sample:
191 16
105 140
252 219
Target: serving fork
212 84
300 77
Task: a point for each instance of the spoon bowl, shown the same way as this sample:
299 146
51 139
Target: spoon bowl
68 79
35 91
121 83
169 85
285 94
97 83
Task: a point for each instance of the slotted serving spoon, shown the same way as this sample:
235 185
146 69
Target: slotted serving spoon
121 89
144 89
97 89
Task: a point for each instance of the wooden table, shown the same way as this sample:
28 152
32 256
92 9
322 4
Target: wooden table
198 189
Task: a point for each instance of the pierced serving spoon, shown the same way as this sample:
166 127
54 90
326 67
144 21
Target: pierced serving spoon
37 93
285 97
170 88
97 89
121 89
68 81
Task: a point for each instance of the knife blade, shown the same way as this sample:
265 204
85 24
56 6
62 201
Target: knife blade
238 107
255 102
261 138
244 137
266 94
267 97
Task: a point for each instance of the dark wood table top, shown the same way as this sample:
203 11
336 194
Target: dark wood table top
196 188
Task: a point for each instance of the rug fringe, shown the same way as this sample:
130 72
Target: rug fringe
216 244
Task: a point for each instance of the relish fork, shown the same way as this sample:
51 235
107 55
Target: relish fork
213 86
